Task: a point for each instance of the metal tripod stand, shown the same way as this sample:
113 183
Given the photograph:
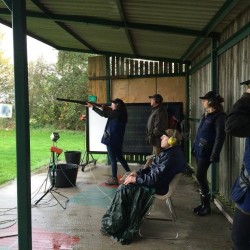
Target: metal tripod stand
55 152
86 153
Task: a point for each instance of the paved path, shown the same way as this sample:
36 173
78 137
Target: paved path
77 226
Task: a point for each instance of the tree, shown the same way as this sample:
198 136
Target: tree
42 77
6 78
72 70
6 85
67 79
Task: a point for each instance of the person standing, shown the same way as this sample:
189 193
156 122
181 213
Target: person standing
238 124
207 145
156 125
114 134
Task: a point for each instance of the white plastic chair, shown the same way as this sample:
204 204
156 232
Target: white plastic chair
167 198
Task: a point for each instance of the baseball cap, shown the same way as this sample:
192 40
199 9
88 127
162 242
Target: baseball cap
245 82
209 95
157 97
117 100
212 95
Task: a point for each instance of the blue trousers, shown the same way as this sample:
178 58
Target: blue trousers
201 174
241 231
114 154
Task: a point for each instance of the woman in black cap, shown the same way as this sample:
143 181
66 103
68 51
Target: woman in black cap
113 134
208 144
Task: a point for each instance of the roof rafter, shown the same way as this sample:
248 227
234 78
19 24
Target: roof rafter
124 20
223 11
63 26
112 23
8 4
108 53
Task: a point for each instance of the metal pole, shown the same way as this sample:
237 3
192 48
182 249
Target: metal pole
22 125
214 73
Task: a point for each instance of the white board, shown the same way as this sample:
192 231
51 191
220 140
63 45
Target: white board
5 110
96 125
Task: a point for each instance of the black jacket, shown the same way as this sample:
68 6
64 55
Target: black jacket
165 166
115 126
210 137
238 124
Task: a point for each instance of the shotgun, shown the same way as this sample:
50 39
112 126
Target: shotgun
80 102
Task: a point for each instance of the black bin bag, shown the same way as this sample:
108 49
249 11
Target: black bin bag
124 216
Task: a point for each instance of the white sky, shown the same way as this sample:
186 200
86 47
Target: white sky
35 48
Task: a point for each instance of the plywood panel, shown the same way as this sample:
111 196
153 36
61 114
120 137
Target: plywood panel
140 89
119 89
97 66
91 66
98 88
101 91
100 66
172 89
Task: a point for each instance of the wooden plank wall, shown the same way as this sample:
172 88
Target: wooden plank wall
134 80
137 90
97 70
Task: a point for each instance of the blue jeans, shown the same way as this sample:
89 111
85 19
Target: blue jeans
114 154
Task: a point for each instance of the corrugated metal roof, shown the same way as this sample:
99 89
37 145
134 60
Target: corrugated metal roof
157 29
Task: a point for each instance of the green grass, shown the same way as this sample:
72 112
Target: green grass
40 144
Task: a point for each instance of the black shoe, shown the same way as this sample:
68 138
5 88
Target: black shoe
103 231
204 211
197 209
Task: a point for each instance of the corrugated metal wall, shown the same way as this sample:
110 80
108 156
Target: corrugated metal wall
233 68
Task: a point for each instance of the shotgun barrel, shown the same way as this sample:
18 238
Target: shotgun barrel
79 102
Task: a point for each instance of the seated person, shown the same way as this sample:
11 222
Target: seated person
132 200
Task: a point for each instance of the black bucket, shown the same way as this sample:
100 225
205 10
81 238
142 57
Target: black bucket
73 157
64 174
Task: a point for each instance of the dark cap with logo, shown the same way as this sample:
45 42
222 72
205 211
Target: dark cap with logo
157 97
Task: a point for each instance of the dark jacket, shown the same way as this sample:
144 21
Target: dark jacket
163 169
156 125
115 126
210 137
238 124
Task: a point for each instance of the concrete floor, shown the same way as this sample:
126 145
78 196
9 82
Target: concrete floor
77 226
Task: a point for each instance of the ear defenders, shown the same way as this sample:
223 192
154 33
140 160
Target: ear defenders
172 140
